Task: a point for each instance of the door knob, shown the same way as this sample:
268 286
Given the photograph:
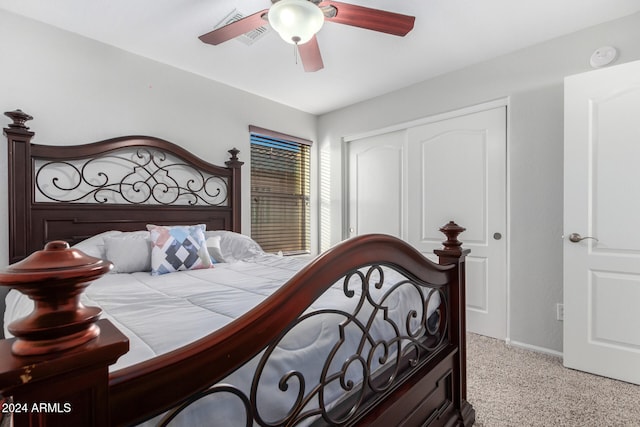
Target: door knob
575 238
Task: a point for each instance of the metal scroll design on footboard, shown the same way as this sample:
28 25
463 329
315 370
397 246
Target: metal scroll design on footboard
392 325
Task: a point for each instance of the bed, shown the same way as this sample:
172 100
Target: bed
368 333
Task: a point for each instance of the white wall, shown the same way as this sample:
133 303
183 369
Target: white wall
81 91
533 80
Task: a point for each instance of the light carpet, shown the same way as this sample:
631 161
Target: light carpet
509 386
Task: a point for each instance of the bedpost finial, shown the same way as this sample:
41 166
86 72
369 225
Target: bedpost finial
54 278
19 118
452 230
233 162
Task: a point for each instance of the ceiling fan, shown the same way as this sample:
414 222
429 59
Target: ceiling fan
298 21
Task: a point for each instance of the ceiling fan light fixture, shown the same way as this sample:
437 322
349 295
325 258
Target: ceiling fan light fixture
297 21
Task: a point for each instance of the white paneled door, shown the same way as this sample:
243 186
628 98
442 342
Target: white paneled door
376 176
460 166
409 183
602 222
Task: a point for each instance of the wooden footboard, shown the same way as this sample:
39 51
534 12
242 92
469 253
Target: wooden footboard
422 383
180 373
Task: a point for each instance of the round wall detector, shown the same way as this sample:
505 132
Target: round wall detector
602 56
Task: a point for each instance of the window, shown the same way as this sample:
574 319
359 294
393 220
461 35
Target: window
280 219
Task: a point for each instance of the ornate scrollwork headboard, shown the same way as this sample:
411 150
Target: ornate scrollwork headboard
129 176
73 192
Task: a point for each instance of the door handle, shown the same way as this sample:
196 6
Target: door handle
576 237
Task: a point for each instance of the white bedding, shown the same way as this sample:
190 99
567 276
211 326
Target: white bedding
162 313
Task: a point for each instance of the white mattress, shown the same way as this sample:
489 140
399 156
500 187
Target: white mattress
161 313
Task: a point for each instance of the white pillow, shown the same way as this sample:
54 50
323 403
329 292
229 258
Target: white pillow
213 246
94 245
129 252
235 246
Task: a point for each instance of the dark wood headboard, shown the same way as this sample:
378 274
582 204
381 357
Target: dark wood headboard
68 192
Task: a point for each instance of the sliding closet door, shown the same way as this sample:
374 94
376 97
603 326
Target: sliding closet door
458 172
376 176
410 182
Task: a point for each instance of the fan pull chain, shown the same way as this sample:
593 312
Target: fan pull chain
295 40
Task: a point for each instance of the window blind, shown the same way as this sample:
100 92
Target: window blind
280 219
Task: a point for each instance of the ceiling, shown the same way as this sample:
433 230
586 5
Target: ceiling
358 64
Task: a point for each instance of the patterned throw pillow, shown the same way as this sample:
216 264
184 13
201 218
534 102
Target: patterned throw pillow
178 248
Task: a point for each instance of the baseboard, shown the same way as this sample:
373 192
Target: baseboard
535 348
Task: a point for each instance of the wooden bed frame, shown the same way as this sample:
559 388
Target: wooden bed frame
427 386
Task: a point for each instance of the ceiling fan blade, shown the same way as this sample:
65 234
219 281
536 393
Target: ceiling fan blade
371 19
310 55
235 29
